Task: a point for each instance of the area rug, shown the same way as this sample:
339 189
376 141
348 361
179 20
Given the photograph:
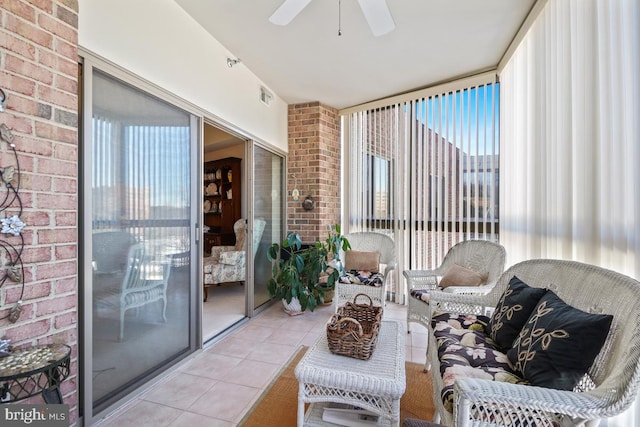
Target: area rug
277 407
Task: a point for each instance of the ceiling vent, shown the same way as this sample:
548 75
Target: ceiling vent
265 96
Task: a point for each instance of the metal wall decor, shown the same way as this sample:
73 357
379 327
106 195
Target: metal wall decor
11 238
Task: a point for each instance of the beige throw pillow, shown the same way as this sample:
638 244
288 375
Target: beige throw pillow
457 275
358 260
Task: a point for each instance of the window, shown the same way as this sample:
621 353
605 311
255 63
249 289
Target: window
378 187
430 169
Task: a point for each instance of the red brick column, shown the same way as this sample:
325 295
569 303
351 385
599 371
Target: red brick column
39 74
314 169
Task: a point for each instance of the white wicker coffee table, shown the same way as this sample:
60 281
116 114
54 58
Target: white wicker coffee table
376 384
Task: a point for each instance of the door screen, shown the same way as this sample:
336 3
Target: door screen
139 229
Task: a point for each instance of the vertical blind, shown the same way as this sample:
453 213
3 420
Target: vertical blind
425 171
572 136
572 140
142 183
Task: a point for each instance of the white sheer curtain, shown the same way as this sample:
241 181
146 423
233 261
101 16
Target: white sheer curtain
570 139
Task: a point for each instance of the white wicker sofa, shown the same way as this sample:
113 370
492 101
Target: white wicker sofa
610 384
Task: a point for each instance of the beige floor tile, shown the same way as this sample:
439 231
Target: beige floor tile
418 355
232 346
189 419
407 353
221 384
270 321
286 337
254 333
180 391
309 319
211 365
252 373
394 312
300 323
418 339
225 401
310 337
416 327
272 353
144 414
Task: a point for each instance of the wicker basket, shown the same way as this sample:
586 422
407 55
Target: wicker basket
353 330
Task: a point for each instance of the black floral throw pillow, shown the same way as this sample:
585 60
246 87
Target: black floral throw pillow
558 344
513 311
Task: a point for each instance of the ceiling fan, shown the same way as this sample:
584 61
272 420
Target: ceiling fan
376 12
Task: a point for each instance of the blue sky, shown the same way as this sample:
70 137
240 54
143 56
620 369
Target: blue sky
465 118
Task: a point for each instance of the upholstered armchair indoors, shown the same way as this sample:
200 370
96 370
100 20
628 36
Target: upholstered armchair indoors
469 267
228 263
369 251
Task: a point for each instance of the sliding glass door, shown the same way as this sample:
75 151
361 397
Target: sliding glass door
138 221
268 202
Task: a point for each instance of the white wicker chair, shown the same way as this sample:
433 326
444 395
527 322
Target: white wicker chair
481 256
615 372
368 242
145 280
110 249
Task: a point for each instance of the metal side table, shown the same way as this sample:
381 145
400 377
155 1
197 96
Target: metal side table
38 369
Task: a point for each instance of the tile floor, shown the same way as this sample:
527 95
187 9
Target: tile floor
223 308
219 385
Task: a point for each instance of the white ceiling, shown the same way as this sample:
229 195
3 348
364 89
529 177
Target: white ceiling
306 61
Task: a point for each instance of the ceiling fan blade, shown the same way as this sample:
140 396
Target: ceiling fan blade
378 16
287 11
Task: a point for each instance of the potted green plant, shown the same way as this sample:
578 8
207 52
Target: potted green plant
334 245
298 270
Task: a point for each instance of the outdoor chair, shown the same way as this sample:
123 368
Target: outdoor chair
145 281
479 256
367 243
575 359
110 249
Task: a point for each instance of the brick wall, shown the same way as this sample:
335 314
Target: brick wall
39 74
314 169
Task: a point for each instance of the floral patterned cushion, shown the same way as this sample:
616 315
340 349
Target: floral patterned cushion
465 350
421 294
363 277
232 257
